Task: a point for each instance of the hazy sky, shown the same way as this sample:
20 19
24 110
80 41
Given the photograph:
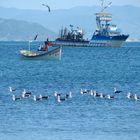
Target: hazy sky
61 4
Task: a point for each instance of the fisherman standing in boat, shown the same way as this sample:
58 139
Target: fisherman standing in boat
46 44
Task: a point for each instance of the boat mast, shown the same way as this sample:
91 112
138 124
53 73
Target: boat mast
29 45
103 18
102 5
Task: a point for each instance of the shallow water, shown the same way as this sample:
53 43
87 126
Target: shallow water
83 116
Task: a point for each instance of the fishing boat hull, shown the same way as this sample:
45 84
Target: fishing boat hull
70 43
96 41
55 53
108 41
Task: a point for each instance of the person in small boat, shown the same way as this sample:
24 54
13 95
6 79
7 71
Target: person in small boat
45 46
40 48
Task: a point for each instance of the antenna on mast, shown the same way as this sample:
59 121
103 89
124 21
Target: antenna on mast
105 7
102 5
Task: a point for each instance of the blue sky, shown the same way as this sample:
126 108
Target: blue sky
61 4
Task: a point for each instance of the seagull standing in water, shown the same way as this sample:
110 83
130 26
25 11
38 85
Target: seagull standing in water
129 96
11 89
60 99
14 98
117 91
26 93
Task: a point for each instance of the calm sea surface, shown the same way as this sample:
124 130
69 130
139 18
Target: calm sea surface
82 117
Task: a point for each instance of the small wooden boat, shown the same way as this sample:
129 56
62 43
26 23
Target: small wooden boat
31 54
53 52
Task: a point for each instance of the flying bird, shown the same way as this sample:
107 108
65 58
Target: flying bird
35 37
49 9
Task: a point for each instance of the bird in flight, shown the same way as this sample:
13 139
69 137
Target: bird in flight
49 9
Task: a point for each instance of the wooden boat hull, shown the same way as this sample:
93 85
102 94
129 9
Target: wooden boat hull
55 53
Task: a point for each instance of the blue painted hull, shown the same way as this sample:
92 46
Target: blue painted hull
109 38
108 41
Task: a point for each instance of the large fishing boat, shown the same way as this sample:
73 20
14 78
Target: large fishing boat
105 35
71 37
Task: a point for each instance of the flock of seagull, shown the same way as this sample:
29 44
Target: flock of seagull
101 95
59 97
28 94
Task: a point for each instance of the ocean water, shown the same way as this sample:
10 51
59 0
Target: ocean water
81 117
